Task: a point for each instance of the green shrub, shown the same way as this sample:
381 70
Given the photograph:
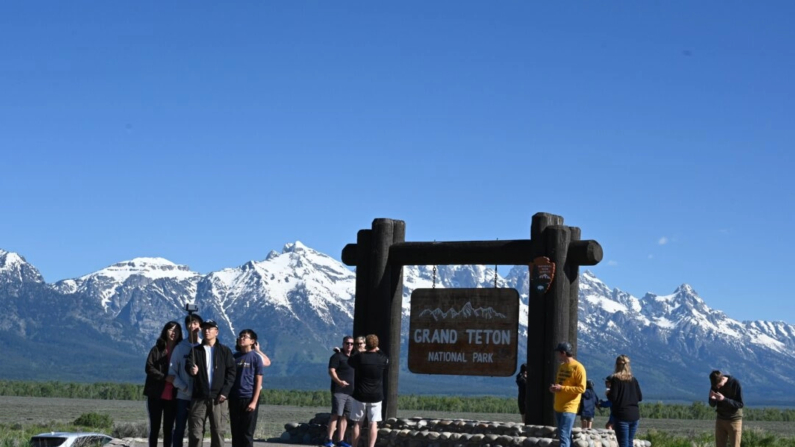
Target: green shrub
94 420
131 430
756 437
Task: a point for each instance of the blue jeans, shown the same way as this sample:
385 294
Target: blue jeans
625 432
183 407
565 423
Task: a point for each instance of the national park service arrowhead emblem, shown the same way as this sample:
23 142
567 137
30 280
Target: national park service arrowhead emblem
542 272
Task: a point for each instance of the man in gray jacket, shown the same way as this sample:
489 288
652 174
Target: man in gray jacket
183 381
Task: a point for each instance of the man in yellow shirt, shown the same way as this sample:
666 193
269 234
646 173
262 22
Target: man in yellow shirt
568 388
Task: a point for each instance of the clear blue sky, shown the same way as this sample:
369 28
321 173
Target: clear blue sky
211 132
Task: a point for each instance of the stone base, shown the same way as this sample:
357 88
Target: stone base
421 432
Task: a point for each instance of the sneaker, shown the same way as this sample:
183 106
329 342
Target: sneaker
343 444
330 443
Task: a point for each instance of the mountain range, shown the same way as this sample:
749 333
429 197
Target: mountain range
99 327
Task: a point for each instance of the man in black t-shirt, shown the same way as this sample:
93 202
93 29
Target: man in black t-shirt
341 389
368 390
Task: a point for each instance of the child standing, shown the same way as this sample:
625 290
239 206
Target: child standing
607 404
588 403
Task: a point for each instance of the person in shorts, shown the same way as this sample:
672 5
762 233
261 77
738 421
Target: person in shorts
588 404
342 380
368 391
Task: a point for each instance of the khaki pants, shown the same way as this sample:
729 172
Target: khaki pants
730 432
200 409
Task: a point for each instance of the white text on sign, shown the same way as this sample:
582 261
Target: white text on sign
474 336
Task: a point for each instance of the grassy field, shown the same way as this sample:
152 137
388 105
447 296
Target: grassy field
39 410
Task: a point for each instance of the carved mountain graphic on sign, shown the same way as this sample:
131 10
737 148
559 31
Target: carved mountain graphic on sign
466 312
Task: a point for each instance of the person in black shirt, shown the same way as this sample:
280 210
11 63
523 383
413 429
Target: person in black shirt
521 382
726 395
368 389
624 396
342 379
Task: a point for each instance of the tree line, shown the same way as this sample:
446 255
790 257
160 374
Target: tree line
475 404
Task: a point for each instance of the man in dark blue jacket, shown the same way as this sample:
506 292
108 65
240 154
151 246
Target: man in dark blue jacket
213 375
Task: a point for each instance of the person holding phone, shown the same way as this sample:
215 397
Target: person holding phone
183 381
568 389
726 396
213 369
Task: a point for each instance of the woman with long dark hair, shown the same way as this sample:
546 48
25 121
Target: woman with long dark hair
159 390
624 396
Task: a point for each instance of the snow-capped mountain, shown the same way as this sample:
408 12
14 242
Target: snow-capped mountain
15 270
300 301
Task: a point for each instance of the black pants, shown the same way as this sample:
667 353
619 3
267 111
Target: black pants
161 410
243 423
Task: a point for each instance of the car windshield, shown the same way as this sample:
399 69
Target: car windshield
47 441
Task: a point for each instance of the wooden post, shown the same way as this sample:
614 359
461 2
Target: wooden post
573 273
361 300
392 345
381 297
538 354
557 316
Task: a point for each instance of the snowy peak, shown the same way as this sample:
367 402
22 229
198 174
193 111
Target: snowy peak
112 286
295 281
295 247
599 297
15 269
686 289
683 303
152 268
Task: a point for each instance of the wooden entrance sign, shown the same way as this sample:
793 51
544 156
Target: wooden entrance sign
470 332
381 252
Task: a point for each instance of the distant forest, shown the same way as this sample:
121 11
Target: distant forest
468 404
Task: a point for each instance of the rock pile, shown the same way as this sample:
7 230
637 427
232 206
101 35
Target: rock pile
421 432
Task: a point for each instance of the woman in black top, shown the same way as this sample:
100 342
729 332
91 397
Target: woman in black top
624 396
158 389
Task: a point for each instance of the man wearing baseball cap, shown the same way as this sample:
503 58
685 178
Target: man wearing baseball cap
213 369
568 388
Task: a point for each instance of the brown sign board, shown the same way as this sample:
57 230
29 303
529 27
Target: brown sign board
542 272
471 332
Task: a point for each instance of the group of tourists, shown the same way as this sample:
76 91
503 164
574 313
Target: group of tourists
575 395
189 381
357 389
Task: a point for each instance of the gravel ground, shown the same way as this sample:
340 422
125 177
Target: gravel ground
29 410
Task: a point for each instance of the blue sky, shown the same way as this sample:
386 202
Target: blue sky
210 133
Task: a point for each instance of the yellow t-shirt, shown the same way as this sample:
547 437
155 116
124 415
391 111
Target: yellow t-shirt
572 377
